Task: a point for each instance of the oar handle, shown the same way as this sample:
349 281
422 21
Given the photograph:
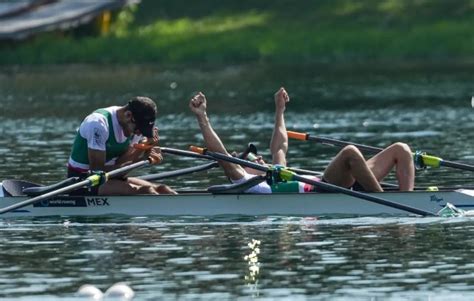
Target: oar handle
197 149
143 146
297 135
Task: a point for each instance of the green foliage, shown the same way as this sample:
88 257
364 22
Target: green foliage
124 20
285 31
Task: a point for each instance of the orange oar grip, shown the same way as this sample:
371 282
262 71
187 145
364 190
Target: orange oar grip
197 149
143 146
297 135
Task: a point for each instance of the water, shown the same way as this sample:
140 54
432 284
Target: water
189 258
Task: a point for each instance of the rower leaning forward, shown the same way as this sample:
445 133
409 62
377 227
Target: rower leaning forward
104 142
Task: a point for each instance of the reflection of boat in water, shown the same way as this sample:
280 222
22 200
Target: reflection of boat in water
20 20
204 203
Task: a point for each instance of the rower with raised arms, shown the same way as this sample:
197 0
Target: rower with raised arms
347 169
105 140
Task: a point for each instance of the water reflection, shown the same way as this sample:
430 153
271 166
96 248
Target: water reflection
165 258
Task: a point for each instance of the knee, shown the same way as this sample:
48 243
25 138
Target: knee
146 189
164 189
351 152
401 149
351 156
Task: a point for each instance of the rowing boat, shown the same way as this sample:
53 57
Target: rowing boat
203 203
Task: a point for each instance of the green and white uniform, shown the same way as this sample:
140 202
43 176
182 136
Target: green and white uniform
281 187
99 131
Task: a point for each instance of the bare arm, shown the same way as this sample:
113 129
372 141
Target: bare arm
198 105
134 155
279 142
97 158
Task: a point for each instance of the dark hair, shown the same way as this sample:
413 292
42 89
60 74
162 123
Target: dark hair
143 110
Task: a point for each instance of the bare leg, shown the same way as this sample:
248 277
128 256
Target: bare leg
164 189
349 166
133 186
400 156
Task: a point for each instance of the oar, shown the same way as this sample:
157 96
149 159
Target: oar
179 172
179 152
428 160
92 180
288 175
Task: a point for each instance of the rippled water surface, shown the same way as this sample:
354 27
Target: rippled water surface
198 258
188 258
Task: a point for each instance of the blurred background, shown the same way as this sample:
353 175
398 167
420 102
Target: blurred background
372 72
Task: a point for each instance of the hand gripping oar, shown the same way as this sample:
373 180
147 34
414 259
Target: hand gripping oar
426 160
288 175
92 180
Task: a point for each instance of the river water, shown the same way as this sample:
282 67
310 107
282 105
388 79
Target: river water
190 258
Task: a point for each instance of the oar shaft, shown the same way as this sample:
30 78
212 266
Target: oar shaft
180 152
428 160
179 172
125 169
456 165
331 141
223 157
333 188
45 196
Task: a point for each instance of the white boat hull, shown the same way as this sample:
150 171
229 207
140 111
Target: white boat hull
205 204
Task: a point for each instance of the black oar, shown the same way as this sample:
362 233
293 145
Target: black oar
427 160
92 180
179 172
179 152
291 176
184 171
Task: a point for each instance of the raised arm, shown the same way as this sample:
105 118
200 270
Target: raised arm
198 105
279 142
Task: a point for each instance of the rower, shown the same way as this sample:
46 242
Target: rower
348 169
104 142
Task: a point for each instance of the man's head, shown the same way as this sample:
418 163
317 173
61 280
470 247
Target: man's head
143 111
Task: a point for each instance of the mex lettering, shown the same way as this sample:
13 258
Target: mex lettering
97 202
